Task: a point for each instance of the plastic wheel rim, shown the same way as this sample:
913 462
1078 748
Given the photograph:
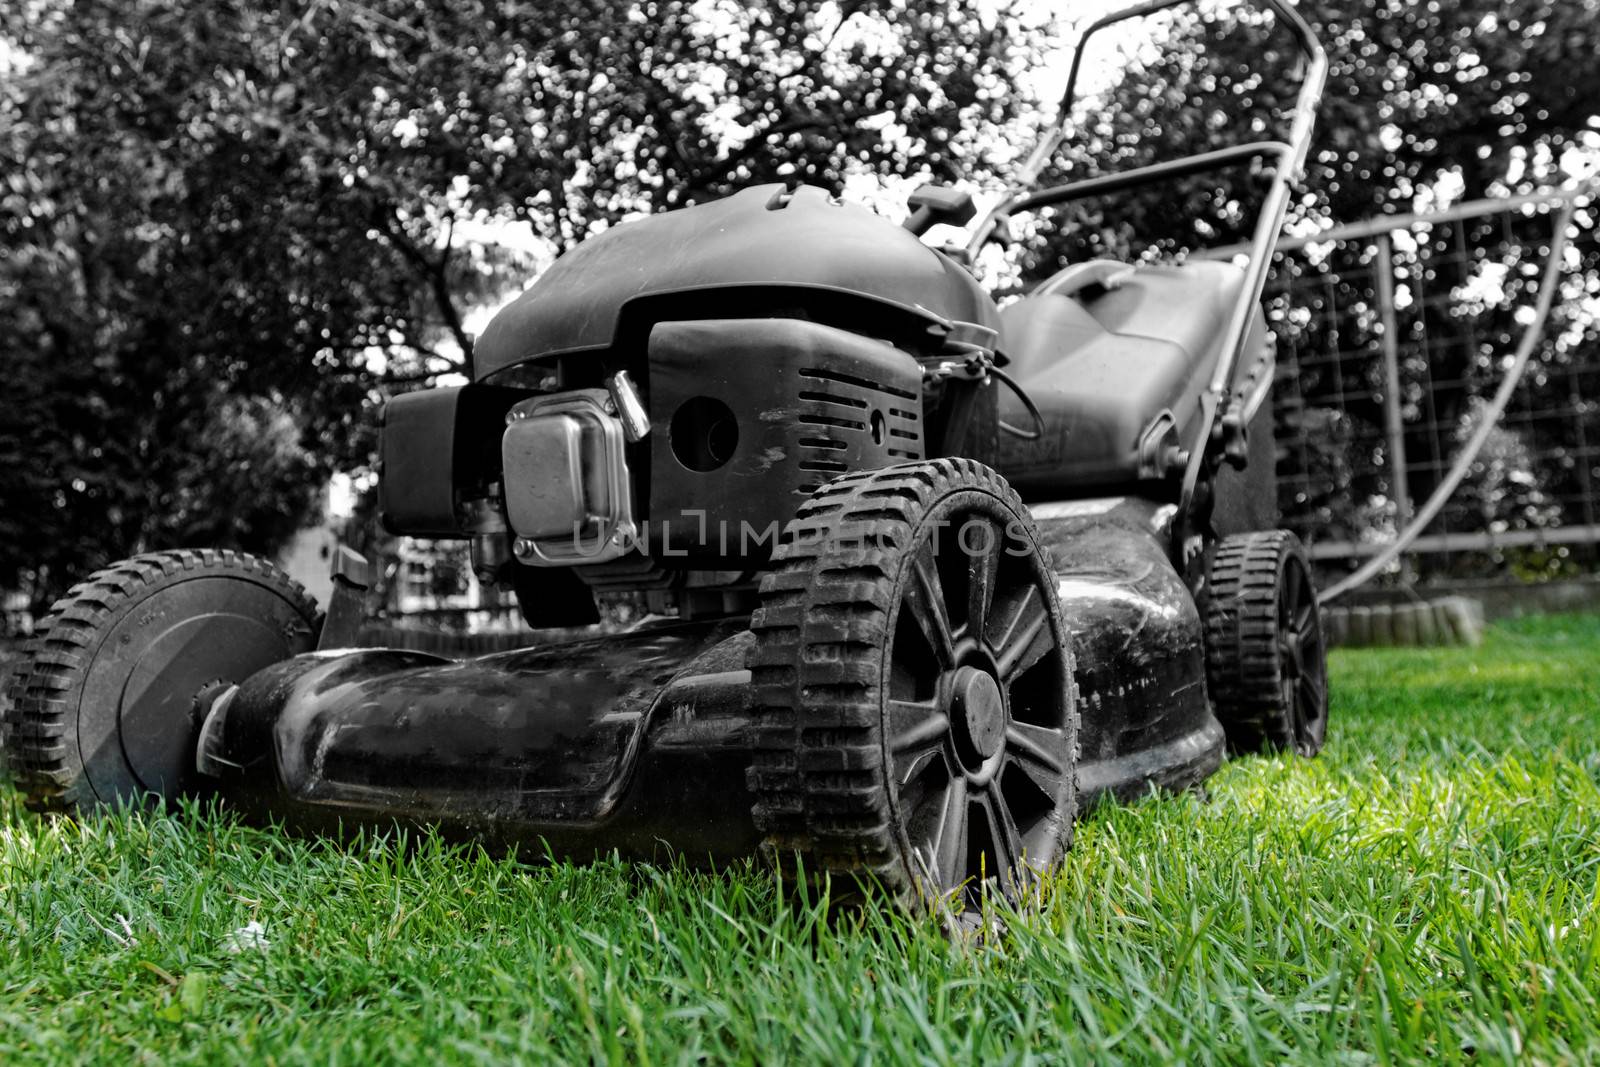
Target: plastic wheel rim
975 742
1301 663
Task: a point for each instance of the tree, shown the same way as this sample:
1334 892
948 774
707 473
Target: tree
268 216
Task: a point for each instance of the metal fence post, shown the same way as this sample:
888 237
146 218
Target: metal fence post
1393 419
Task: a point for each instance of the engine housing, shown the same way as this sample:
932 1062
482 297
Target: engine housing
749 416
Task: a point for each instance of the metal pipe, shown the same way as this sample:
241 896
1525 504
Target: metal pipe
1155 173
1475 541
1390 223
1269 227
1039 158
1056 132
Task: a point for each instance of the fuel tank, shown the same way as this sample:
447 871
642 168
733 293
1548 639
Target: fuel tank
757 240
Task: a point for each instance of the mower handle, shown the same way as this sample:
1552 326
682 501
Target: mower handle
1290 170
1122 181
1310 49
1292 153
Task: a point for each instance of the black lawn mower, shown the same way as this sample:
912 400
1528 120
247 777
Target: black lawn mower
929 573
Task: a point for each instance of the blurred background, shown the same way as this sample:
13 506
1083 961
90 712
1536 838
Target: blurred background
230 230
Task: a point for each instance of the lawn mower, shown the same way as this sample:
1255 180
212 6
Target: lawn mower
928 573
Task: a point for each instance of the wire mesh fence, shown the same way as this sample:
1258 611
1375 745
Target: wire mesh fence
1392 336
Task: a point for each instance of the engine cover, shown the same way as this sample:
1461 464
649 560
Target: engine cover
749 416
765 238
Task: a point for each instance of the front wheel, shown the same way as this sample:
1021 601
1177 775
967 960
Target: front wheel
106 705
915 680
1265 657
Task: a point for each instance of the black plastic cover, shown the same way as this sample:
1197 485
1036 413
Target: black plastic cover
761 238
1103 368
800 403
435 442
639 742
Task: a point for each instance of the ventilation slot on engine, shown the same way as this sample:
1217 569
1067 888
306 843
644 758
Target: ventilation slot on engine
852 382
832 420
829 398
857 423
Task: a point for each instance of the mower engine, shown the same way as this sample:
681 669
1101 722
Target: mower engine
747 417
657 434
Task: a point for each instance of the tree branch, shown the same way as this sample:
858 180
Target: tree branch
436 273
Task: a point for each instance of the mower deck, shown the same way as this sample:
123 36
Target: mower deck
641 741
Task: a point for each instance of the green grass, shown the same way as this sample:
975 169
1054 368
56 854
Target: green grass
1427 888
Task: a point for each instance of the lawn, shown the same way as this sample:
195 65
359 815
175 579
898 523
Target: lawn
1426 888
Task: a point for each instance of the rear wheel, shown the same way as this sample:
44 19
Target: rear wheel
105 704
1265 657
915 678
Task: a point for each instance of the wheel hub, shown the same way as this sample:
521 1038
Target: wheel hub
158 713
978 717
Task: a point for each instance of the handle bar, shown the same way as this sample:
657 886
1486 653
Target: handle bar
1291 156
1310 48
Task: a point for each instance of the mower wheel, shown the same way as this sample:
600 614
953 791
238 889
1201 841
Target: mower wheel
1265 657
106 709
915 679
